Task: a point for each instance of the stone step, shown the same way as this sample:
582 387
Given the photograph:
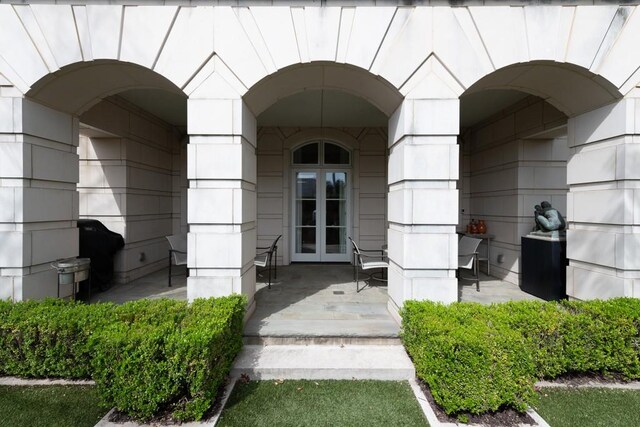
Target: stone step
319 340
322 327
319 362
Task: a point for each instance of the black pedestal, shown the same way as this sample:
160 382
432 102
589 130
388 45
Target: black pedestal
544 268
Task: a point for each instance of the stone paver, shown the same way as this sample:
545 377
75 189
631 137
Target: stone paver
320 300
312 300
491 290
154 285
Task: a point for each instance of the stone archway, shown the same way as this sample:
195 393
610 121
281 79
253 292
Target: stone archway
127 165
234 272
595 136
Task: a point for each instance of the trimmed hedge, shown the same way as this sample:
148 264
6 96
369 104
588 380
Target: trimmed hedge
49 338
147 357
478 358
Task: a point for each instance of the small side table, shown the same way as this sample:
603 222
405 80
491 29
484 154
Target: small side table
488 238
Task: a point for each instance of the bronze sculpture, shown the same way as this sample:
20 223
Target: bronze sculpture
548 219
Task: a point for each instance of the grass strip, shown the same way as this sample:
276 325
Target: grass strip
50 406
322 403
590 407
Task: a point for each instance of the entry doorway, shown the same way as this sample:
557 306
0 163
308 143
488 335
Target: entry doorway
321 208
321 215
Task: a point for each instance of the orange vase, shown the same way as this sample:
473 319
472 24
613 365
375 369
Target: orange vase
482 227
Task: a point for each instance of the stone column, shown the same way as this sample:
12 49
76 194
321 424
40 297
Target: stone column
221 168
38 198
603 204
423 201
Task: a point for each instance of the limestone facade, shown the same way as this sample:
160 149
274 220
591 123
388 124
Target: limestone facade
59 62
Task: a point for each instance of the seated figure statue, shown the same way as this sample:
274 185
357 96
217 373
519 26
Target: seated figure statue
548 219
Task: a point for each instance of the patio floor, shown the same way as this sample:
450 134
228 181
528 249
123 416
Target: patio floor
313 300
154 285
320 300
491 290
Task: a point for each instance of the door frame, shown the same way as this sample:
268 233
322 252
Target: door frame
320 255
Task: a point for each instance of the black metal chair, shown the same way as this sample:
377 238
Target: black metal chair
266 259
379 261
178 252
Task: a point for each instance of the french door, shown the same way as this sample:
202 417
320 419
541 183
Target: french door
321 219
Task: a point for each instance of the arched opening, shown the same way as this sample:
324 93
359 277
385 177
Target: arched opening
77 87
517 148
322 138
113 135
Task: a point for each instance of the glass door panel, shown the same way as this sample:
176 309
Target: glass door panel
336 217
336 240
305 217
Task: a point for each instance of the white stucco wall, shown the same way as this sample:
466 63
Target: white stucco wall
131 181
510 163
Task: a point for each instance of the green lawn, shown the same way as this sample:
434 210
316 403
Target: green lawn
590 407
49 406
322 403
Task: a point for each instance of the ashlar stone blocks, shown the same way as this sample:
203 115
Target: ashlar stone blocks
423 201
221 198
39 201
603 241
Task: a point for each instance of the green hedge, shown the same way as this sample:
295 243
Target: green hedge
146 357
49 338
478 358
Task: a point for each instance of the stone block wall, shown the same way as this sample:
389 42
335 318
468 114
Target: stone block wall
369 191
38 198
604 202
133 179
511 162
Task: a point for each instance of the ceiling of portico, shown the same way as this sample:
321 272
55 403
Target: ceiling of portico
479 106
76 88
318 108
322 76
322 94
569 88
167 106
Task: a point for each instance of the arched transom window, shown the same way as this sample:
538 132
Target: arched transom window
321 153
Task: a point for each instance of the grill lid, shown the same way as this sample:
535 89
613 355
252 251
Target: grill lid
70 265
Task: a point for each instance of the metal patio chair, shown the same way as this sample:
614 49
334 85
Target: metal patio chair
266 259
468 258
372 262
178 252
